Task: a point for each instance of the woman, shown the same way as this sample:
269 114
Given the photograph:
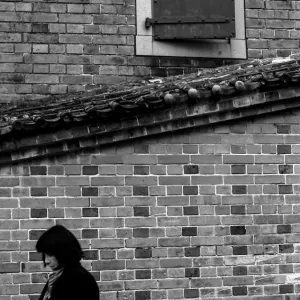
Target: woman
61 251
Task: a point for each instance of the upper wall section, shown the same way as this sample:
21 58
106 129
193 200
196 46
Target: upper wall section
64 46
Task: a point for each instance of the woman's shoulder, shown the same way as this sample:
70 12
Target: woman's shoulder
76 283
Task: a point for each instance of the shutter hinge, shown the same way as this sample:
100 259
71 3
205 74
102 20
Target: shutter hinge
149 22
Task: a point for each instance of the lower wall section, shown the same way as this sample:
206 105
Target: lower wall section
204 214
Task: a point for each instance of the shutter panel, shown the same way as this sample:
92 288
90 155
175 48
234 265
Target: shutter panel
192 19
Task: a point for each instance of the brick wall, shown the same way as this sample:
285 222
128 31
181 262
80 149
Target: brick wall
210 213
272 28
64 46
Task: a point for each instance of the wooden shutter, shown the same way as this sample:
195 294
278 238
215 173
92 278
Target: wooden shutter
192 19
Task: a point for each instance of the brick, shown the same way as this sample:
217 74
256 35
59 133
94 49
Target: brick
38 213
190 210
141 232
240 250
142 295
238 210
237 230
192 272
288 248
38 191
90 212
192 252
284 149
143 274
240 271
89 191
141 211
38 170
283 129
239 189
90 255
108 265
143 253
238 169
189 231
285 169
239 290
89 233
191 293
286 288
281 229
140 191
89 170
191 169
285 189
9 267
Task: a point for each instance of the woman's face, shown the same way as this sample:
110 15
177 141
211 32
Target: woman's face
51 261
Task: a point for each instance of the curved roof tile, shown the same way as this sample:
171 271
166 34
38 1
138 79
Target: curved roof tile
210 96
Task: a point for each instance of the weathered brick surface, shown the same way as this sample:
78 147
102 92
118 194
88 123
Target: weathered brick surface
184 216
59 47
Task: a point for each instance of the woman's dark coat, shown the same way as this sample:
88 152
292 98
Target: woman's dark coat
75 283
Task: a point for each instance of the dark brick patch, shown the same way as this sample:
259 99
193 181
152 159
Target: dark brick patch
191 293
142 295
191 169
140 191
285 189
239 189
141 232
237 230
38 191
239 271
89 233
141 211
90 212
38 213
238 210
35 234
239 290
286 289
192 252
143 252
284 149
238 169
192 272
284 229
90 255
143 274
283 129
90 170
190 190
239 250
89 191
38 170
286 169
141 170
189 231
190 210
286 248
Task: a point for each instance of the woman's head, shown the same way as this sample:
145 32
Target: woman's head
60 243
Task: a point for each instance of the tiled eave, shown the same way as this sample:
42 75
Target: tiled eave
147 112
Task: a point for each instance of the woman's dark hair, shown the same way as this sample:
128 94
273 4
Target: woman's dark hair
61 243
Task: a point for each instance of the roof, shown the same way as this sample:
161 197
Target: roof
53 126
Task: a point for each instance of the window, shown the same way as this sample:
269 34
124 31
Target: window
191 28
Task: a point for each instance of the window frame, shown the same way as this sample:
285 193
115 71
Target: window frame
145 45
